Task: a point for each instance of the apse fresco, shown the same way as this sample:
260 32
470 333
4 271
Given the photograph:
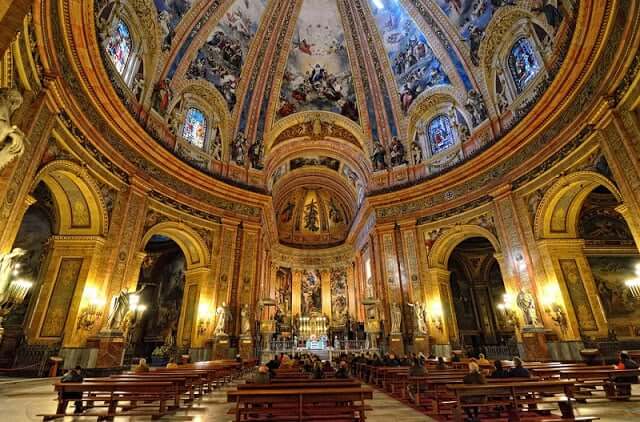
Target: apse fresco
318 74
412 60
311 293
170 12
220 59
610 274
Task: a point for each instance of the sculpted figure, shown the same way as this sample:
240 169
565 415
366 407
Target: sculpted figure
238 149
223 314
526 303
396 318
245 320
397 152
11 137
378 156
421 318
416 153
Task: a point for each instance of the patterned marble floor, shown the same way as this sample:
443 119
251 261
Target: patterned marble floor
22 401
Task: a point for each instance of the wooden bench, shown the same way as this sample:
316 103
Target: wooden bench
155 395
613 381
513 395
309 383
301 404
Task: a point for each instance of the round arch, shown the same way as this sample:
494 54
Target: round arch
189 241
445 244
559 211
79 205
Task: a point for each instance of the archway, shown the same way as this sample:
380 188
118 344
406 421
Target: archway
477 289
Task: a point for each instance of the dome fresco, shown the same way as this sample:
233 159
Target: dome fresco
416 86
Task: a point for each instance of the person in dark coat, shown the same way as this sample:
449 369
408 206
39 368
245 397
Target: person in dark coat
343 371
74 375
473 377
519 371
262 377
499 371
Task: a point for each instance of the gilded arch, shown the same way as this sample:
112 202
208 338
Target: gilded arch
446 243
558 213
80 207
190 242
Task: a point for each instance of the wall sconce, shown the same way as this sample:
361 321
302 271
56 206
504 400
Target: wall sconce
91 312
634 284
436 315
552 308
508 312
205 316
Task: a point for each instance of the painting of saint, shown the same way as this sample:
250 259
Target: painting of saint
412 60
311 292
318 74
170 12
311 216
220 59
523 63
339 296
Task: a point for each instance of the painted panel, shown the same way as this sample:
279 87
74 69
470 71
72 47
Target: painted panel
578 294
170 13
339 301
58 308
318 74
221 58
414 65
189 313
311 292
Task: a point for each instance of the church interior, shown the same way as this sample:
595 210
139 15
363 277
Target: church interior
320 210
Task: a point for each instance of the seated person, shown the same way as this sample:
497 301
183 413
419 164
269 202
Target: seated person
441 364
73 375
473 377
172 364
262 377
343 371
625 362
238 358
392 360
417 369
499 371
621 387
518 371
273 364
142 366
455 357
482 360
317 372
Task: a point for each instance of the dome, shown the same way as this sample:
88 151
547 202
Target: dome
404 90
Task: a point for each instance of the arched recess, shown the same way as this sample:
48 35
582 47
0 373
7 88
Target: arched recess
79 206
192 245
445 244
558 213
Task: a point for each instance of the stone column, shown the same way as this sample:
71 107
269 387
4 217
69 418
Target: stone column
441 315
69 270
390 285
569 298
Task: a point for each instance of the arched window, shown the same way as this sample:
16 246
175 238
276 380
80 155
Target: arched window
118 45
523 63
441 135
195 127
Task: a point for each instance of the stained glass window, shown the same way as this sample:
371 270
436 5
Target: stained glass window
195 127
441 136
118 45
523 63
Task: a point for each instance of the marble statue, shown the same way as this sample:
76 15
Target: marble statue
396 318
378 156
245 320
416 153
237 149
120 309
223 315
11 137
475 106
421 318
526 303
255 154
397 152
7 266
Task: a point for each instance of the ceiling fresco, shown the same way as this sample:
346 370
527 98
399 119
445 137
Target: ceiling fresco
414 65
318 74
220 60
170 13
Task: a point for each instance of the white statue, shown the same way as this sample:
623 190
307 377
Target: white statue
11 137
526 303
245 320
7 266
223 314
396 318
421 318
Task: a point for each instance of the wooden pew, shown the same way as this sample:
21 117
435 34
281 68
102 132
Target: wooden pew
310 383
114 393
610 379
301 404
554 371
514 395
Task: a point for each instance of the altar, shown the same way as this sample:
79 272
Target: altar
316 344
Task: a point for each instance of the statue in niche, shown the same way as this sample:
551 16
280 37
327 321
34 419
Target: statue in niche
138 86
526 303
416 153
475 106
255 154
175 120
117 320
11 137
245 320
161 97
216 146
396 318
223 315
8 263
378 156
238 149
397 152
421 318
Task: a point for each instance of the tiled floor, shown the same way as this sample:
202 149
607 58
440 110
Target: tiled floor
22 401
